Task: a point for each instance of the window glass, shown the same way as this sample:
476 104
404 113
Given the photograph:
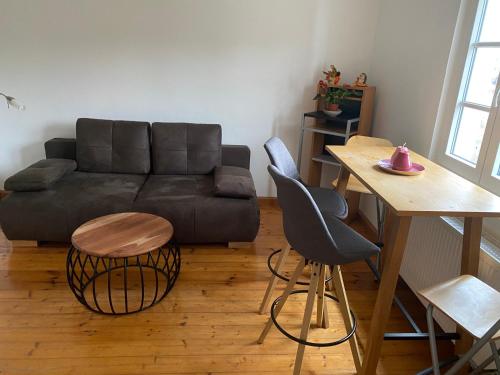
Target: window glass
490 31
484 76
469 134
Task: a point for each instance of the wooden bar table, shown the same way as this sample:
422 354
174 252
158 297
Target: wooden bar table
435 192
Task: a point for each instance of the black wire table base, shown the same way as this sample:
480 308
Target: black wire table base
309 343
120 286
280 276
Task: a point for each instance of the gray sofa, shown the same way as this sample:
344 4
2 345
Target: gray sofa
178 171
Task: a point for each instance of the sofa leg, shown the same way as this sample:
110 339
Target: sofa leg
22 243
239 245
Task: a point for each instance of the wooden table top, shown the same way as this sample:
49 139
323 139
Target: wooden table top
122 235
436 192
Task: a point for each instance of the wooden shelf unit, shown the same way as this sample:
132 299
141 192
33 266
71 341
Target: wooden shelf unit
355 119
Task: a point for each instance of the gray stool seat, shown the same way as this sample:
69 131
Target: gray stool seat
327 200
351 246
317 237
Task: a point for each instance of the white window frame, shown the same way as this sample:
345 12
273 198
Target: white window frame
492 155
465 44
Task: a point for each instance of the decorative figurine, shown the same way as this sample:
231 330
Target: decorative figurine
361 80
332 76
322 89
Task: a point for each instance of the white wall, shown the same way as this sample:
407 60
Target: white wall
412 45
408 66
249 65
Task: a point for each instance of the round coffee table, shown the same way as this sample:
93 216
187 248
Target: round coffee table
123 263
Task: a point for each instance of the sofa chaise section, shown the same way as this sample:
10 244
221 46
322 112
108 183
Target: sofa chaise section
53 214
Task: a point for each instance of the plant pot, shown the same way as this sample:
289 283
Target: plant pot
332 107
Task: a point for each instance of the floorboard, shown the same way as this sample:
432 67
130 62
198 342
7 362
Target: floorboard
208 324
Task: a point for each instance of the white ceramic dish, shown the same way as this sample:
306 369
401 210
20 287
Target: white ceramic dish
332 113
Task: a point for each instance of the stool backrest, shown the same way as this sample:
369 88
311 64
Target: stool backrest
280 157
305 228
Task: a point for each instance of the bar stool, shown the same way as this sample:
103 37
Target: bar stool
328 200
323 241
473 305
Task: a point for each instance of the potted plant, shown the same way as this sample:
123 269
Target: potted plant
334 97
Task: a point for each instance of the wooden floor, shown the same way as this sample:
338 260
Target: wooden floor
208 324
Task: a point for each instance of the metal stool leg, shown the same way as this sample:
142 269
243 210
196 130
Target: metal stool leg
432 340
272 282
494 352
485 363
475 348
306 322
286 293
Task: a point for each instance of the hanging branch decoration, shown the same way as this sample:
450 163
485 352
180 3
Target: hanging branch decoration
11 102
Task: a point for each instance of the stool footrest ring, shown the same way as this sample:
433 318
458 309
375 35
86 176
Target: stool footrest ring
280 276
308 343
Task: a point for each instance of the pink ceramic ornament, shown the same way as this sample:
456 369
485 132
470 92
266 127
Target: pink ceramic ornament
397 150
401 159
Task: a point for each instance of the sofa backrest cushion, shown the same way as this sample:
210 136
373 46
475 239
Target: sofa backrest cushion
183 148
109 146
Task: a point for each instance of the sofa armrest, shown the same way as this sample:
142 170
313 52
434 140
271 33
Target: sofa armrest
61 148
40 176
236 156
233 182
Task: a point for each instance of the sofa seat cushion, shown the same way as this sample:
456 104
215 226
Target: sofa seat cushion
220 219
174 197
109 146
34 215
40 175
90 195
188 202
186 149
54 214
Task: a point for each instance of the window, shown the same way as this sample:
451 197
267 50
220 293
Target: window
469 137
